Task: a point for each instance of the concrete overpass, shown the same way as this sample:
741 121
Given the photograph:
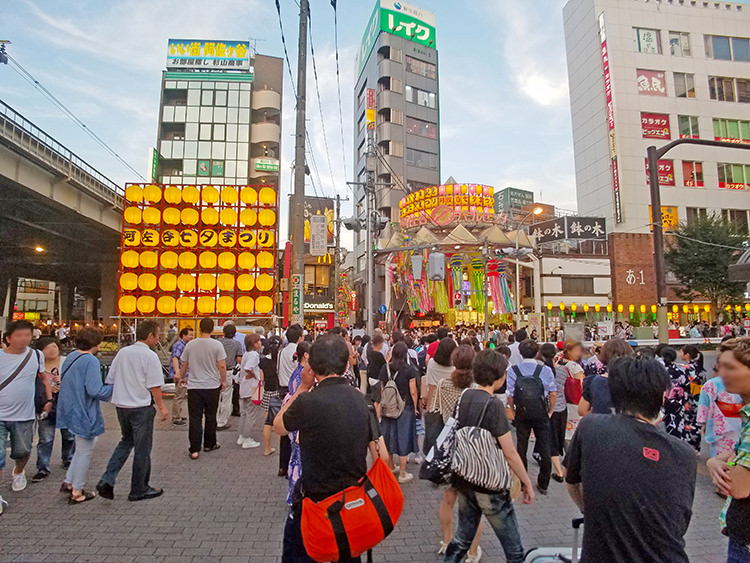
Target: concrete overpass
52 199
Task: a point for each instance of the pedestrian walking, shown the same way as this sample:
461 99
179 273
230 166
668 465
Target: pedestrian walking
79 411
595 396
271 404
287 365
180 384
558 420
137 377
438 368
251 390
206 360
234 351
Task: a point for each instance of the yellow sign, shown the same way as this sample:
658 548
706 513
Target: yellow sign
669 218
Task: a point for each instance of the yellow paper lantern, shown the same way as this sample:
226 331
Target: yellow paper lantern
131 237
267 217
263 305
187 260
129 259
747 306
190 194
265 239
643 309
147 282
171 216
267 196
128 281
707 308
189 238
152 193
609 307
225 282
228 238
549 305
247 239
210 216
675 308
249 196
209 238
127 304
562 306
464 189
246 261
185 306
186 282
228 216
226 260
631 308
206 282
585 307
685 309
248 217
170 237
146 304
737 308
245 304
132 215
207 260
697 309
209 194
229 195
166 304
167 282
574 307
449 189
620 307
597 307
224 305
206 305
172 195
189 216
134 193
245 282
148 259
149 237
265 260
653 309
264 282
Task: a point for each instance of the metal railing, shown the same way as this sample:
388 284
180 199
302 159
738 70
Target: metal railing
31 140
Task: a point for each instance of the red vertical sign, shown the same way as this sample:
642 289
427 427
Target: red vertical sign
610 119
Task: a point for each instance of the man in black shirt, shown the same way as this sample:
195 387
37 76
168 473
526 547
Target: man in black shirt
334 435
633 481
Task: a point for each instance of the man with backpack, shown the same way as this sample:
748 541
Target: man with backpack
532 393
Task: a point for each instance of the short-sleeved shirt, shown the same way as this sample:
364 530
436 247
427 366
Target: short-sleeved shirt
233 349
736 513
250 363
287 364
270 375
638 486
177 349
596 392
527 368
203 355
17 399
134 371
334 432
403 376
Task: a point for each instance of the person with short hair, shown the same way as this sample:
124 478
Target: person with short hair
634 482
136 375
515 356
287 363
251 377
271 404
595 395
180 384
234 351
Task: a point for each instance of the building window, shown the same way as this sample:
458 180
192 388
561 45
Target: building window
743 90
420 97
721 88
415 66
421 159
733 176
362 95
647 40
695 214
397 117
732 130
688 126
421 128
684 85
737 217
727 48
692 174
679 43
572 285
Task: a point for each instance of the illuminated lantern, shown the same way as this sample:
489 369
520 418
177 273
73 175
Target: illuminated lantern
189 216
170 237
562 306
186 282
263 305
549 305
491 191
171 216
224 304
675 308
229 195
696 309
149 237
132 215
167 282
246 260
267 217
728 308
574 307
247 239
267 196
653 309
441 191
226 260
206 282
620 307
737 308
166 304
585 307
747 306
210 216
609 307
146 304
631 308
187 260
188 238
685 309
245 304
148 259
190 194
207 260
209 238
210 194
129 259
245 282
147 282
172 195
643 309
707 308
464 189
225 282
206 305
478 190
249 196
129 281
134 193
228 238
264 282
265 260
228 216
248 217
265 239
127 304
449 189
185 306
131 237
152 193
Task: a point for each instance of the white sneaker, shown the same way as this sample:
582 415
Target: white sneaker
417 459
19 481
241 440
443 548
3 504
250 443
475 558
405 478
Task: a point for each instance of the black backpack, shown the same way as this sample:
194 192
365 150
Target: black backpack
528 395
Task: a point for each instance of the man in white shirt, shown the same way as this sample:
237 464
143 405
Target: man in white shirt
136 375
287 363
515 356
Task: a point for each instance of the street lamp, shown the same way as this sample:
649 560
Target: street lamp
517 289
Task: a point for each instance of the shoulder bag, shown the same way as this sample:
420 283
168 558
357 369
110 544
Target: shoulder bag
436 467
18 370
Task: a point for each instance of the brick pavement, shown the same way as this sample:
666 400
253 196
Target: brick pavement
229 506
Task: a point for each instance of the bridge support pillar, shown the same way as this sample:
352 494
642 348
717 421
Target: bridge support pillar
108 293
66 303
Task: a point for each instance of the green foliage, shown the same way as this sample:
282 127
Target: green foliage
700 254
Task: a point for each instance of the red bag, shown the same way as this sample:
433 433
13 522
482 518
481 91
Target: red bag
573 388
349 523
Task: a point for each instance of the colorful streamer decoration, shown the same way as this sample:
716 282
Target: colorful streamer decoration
476 275
499 287
456 264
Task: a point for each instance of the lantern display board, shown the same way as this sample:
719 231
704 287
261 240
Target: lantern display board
198 250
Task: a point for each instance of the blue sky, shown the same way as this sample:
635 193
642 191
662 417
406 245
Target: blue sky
504 97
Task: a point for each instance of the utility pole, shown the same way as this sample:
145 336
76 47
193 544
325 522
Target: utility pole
336 269
370 209
298 232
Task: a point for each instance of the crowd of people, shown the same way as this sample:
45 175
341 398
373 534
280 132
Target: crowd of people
339 403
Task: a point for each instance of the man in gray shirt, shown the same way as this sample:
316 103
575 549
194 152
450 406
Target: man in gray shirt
287 365
206 360
233 350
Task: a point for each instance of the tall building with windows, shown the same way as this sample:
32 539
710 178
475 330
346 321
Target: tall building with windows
219 115
641 73
396 96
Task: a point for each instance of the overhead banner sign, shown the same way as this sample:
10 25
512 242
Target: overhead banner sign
569 228
318 235
208 55
321 206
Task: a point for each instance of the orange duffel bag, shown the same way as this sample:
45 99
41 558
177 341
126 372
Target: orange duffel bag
351 522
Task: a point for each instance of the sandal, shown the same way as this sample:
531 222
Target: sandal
85 496
213 448
194 455
66 488
270 452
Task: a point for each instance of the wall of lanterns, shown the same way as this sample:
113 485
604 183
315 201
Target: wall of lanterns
198 250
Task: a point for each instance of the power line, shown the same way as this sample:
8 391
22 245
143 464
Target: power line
286 53
28 77
707 243
338 84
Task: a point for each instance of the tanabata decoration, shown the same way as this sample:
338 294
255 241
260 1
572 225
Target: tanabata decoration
498 282
457 272
476 276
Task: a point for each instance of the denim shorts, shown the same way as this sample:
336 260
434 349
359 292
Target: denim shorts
21 435
274 406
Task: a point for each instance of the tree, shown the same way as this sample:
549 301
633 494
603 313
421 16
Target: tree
699 255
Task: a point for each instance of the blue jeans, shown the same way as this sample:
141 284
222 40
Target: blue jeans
498 509
293 550
137 427
21 436
738 553
47 440
79 467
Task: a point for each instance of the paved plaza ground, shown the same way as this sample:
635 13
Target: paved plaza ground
229 506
